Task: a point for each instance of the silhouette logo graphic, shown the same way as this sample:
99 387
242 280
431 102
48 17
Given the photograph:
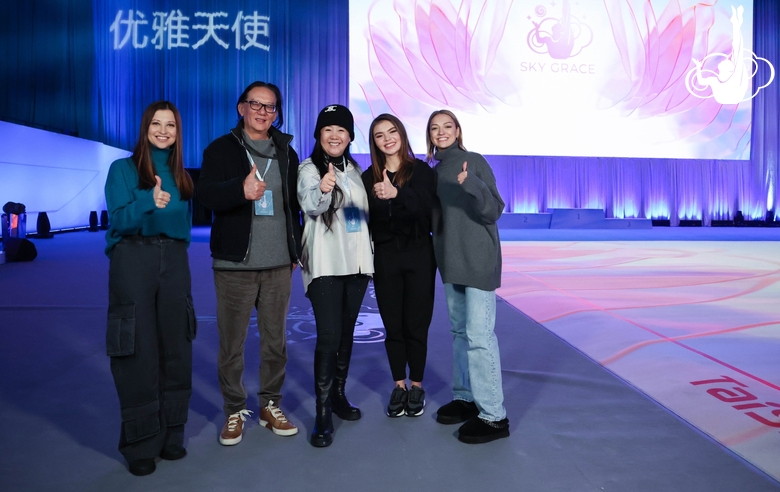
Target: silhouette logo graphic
561 38
732 78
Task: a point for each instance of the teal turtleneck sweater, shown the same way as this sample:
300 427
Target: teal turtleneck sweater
132 210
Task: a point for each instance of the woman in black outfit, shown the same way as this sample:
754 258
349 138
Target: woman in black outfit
401 192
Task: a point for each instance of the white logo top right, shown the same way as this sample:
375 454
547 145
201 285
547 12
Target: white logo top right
731 81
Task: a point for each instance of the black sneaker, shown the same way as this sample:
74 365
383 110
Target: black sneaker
479 431
397 406
456 411
416 404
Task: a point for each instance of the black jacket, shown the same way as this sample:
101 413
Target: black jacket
221 188
403 223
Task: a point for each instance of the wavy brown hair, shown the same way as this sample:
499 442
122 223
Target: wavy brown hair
142 153
429 143
378 158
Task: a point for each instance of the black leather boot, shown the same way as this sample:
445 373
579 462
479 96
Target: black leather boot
324 368
341 406
338 398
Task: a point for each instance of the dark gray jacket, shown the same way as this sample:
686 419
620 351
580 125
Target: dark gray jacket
465 234
221 188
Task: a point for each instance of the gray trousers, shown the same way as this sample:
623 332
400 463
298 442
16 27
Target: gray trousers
238 292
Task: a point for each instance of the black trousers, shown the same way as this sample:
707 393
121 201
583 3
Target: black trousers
336 303
405 284
151 325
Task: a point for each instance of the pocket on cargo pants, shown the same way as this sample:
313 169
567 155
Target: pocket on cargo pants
120 329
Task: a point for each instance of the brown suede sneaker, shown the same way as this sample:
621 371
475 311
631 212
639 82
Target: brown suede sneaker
233 430
273 418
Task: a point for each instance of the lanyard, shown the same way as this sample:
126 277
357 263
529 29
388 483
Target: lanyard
346 180
257 171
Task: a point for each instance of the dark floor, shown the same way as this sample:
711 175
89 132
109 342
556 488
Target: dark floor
575 426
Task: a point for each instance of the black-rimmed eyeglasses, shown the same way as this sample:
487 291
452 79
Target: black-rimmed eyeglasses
257 105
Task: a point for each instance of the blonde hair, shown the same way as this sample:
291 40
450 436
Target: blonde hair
429 143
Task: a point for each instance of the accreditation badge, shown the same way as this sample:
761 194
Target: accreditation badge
265 205
352 215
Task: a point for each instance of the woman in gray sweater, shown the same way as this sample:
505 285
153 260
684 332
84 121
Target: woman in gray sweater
468 253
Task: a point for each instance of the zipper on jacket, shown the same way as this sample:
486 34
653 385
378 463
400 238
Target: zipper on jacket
249 243
289 210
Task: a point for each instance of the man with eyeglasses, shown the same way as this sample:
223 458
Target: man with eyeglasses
248 178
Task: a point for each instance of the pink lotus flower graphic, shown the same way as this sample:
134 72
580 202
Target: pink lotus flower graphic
656 51
432 54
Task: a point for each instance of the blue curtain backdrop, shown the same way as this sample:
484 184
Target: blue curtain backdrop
766 106
61 72
47 50
304 53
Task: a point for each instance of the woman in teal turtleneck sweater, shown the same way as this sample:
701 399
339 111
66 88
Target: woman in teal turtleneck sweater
151 322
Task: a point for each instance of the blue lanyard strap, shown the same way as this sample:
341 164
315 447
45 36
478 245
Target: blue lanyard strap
257 172
346 180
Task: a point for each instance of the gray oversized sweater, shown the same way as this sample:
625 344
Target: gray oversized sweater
465 234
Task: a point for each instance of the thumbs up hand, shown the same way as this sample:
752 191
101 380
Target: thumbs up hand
161 198
253 187
328 182
385 190
463 175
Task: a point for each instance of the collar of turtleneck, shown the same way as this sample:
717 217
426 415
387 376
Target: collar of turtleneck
160 156
338 162
441 154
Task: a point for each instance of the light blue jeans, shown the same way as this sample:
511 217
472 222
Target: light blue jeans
476 361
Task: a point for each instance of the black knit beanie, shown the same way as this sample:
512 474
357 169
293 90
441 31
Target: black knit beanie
336 114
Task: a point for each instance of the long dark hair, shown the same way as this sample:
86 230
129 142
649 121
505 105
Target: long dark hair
378 158
429 142
142 153
273 88
318 157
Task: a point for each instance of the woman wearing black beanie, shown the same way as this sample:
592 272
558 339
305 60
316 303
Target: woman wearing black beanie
337 260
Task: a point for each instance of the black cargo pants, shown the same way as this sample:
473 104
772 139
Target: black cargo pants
151 325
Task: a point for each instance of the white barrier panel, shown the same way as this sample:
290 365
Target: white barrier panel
53 173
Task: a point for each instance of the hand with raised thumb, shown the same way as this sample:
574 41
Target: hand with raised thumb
328 182
253 187
161 198
385 190
464 174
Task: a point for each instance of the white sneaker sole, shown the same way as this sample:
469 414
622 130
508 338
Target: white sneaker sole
422 411
279 432
230 442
